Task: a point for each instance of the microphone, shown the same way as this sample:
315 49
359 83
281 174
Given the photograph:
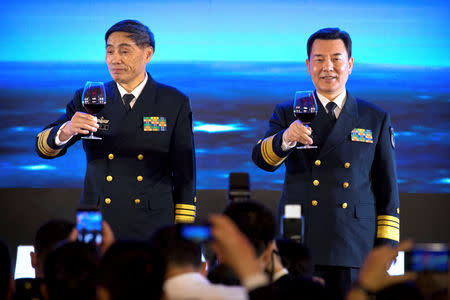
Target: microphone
239 187
292 223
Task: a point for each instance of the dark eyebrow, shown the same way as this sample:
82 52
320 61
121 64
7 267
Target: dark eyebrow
120 45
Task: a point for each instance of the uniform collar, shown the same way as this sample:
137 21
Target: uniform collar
137 90
339 100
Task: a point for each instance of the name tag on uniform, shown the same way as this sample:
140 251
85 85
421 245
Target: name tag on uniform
362 135
155 124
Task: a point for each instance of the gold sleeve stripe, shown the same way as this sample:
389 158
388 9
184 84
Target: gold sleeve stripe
388 218
184 219
267 152
264 151
43 146
185 212
185 206
389 223
388 232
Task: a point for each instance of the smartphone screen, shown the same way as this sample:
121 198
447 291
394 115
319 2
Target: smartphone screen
195 232
427 257
89 226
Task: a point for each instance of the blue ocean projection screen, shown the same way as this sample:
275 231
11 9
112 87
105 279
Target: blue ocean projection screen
235 60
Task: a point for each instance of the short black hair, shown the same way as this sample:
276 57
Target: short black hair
70 272
132 270
49 235
175 249
255 220
330 34
138 32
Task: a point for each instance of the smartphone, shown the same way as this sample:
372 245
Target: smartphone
198 233
89 225
432 257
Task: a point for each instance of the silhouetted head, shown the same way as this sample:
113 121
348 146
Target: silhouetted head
132 270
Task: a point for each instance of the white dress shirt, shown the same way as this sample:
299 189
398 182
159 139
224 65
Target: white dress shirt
194 285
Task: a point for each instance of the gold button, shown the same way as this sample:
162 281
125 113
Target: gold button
109 178
398 210
140 178
316 182
107 200
345 185
344 205
314 203
140 157
111 156
347 165
317 162
137 201
195 199
28 285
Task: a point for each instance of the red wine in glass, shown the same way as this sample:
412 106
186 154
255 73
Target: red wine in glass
93 100
305 109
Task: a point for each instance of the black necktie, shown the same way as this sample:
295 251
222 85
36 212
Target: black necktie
127 98
330 107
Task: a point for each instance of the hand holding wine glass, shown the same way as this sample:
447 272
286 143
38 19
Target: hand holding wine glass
93 100
305 110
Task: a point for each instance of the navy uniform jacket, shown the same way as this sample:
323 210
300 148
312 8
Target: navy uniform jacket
140 174
347 188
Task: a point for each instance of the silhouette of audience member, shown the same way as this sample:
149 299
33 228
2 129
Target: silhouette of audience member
6 282
46 239
186 274
236 251
131 270
258 224
70 272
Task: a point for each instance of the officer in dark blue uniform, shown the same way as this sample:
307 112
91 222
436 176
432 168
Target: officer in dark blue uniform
142 173
347 187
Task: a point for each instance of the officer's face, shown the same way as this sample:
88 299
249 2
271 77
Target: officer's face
126 61
329 67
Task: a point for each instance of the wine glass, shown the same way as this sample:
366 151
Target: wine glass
93 100
305 109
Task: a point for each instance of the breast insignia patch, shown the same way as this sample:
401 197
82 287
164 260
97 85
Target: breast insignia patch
362 135
155 124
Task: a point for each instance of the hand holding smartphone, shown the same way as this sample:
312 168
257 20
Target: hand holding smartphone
89 225
432 257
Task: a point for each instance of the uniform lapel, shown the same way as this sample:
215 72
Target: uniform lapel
114 110
345 123
147 97
113 100
133 121
144 104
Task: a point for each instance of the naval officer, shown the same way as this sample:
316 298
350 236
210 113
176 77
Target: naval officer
347 187
142 173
